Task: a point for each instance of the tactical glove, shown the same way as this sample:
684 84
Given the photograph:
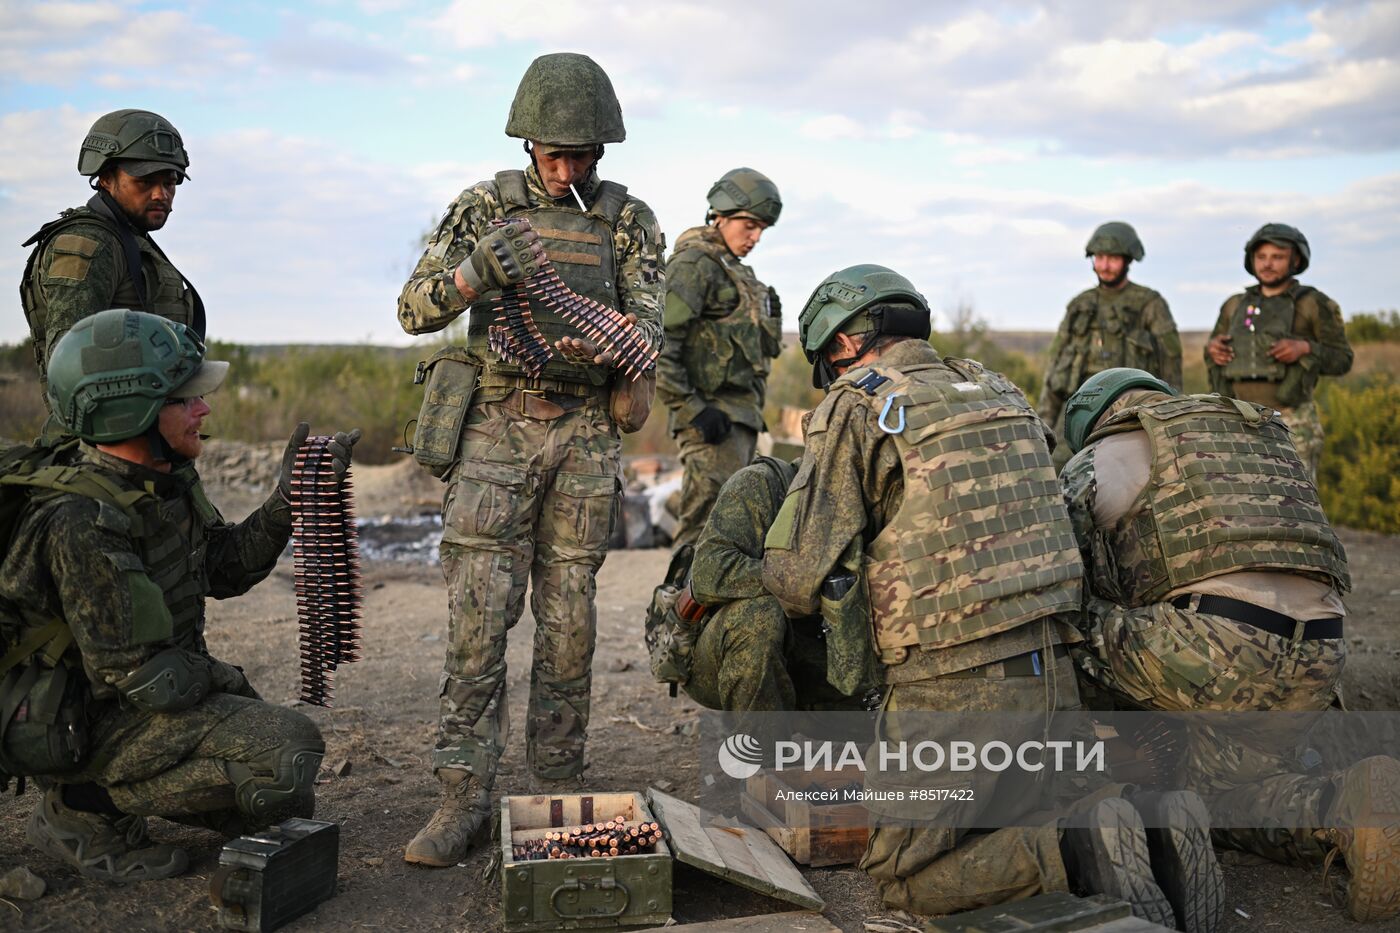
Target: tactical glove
503 257
340 449
712 424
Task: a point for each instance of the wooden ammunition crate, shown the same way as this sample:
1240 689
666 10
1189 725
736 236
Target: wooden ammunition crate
569 894
813 833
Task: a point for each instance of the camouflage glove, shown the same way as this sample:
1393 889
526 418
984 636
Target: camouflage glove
713 425
503 257
340 448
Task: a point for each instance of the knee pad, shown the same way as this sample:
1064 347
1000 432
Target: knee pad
279 784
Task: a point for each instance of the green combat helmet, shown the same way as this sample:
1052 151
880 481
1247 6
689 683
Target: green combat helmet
1115 238
893 305
1099 391
112 372
144 141
745 190
1279 235
566 100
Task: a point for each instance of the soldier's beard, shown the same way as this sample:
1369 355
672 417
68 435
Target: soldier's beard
1116 281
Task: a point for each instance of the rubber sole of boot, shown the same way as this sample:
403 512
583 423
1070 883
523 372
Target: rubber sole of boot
1373 858
49 839
1183 860
1117 861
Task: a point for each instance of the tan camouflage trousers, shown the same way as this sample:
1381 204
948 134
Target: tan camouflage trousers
939 869
751 658
177 765
1306 426
1160 657
707 467
530 503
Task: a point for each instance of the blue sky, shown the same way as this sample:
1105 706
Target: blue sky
972 146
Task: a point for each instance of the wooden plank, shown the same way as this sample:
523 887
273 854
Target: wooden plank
731 850
764 819
799 920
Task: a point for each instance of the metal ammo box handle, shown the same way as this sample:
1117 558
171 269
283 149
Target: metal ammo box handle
604 884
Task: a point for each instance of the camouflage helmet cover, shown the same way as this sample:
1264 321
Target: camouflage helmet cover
1099 391
565 99
145 142
846 293
747 191
1279 235
1115 238
112 372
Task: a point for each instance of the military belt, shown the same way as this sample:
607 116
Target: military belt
546 387
1275 623
1029 664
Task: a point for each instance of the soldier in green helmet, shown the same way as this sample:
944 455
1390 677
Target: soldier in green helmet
1215 583
723 328
532 463
101 255
109 696
938 473
1116 323
1272 342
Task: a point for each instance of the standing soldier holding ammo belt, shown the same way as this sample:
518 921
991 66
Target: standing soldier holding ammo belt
1115 323
532 463
1273 340
723 327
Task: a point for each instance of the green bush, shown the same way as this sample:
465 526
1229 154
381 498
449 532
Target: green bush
1359 476
1380 327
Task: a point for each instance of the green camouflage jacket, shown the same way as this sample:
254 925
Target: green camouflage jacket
728 562
723 326
76 558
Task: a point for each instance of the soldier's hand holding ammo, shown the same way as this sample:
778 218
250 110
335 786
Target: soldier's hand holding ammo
1220 350
713 425
340 448
578 350
506 255
289 461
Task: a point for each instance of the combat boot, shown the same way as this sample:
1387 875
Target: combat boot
1367 834
100 846
1183 860
1106 852
448 836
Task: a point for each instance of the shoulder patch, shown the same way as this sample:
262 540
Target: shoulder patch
75 243
111 518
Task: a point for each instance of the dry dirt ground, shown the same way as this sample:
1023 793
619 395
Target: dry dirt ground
384 719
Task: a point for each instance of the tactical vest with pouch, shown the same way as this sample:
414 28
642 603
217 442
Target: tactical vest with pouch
982 541
1106 331
580 246
734 349
1227 492
146 279
43 690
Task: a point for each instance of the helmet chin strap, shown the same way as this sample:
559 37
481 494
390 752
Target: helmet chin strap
159 447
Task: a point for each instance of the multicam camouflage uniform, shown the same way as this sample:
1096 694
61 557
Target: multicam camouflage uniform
532 495
1255 323
1104 328
129 586
952 480
723 328
1138 488
750 657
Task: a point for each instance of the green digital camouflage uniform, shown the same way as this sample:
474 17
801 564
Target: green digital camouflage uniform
971 438
531 497
1104 328
1148 653
78 268
1254 324
750 657
129 591
723 328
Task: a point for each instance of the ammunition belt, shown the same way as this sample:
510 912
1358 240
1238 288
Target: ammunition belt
326 569
1275 623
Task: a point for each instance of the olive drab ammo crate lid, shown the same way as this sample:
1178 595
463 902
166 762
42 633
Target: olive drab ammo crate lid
736 852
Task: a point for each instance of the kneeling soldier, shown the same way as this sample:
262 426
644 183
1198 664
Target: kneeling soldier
108 693
1215 584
